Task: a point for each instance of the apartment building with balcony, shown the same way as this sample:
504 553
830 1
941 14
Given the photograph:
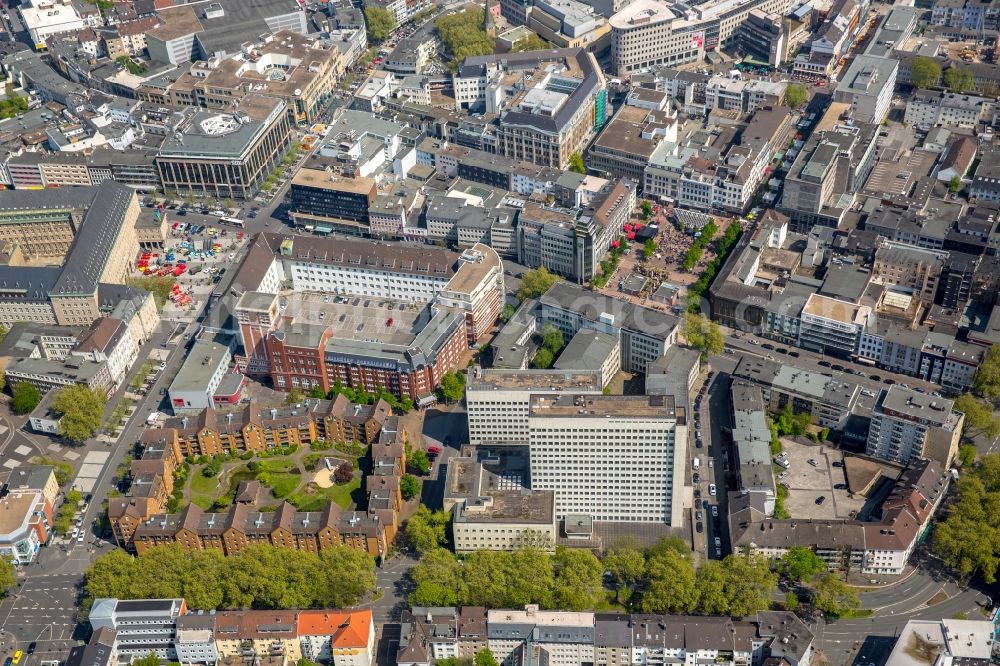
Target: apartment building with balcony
906 424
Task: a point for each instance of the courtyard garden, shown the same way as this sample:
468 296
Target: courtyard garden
308 477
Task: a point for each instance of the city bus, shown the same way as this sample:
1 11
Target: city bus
236 222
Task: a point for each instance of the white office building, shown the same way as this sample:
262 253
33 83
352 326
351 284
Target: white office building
497 401
614 458
867 86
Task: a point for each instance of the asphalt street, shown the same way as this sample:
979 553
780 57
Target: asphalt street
43 609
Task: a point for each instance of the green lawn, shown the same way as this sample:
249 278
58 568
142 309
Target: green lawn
204 490
317 499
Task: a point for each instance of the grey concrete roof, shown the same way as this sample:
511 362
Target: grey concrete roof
88 255
591 305
588 349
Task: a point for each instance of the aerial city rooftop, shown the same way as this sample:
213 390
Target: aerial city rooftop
571 332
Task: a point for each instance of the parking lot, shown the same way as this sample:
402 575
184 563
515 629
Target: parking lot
815 471
196 260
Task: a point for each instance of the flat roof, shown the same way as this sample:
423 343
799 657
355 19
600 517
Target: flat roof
934 410
588 349
15 511
836 310
201 363
602 406
535 380
595 306
326 180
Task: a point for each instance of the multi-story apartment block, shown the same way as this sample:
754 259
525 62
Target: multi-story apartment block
245 524
908 269
829 401
569 638
524 636
545 117
142 626
129 630
226 154
971 15
614 458
906 424
880 548
934 107
832 326
26 524
650 33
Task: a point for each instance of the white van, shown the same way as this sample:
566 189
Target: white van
696 462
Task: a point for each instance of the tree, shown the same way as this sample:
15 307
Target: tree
578 581
795 95
485 658
958 80
294 396
344 473
552 338
505 316
535 282
973 513
409 486
462 34
925 73
543 359
452 386
417 460
305 662
81 411
3 379
25 398
979 416
627 565
987 380
703 334
955 184
736 586
379 23
967 455
800 564
149 660
834 597
576 163
531 43
647 209
8 576
670 584
427 530
261 576
649 248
